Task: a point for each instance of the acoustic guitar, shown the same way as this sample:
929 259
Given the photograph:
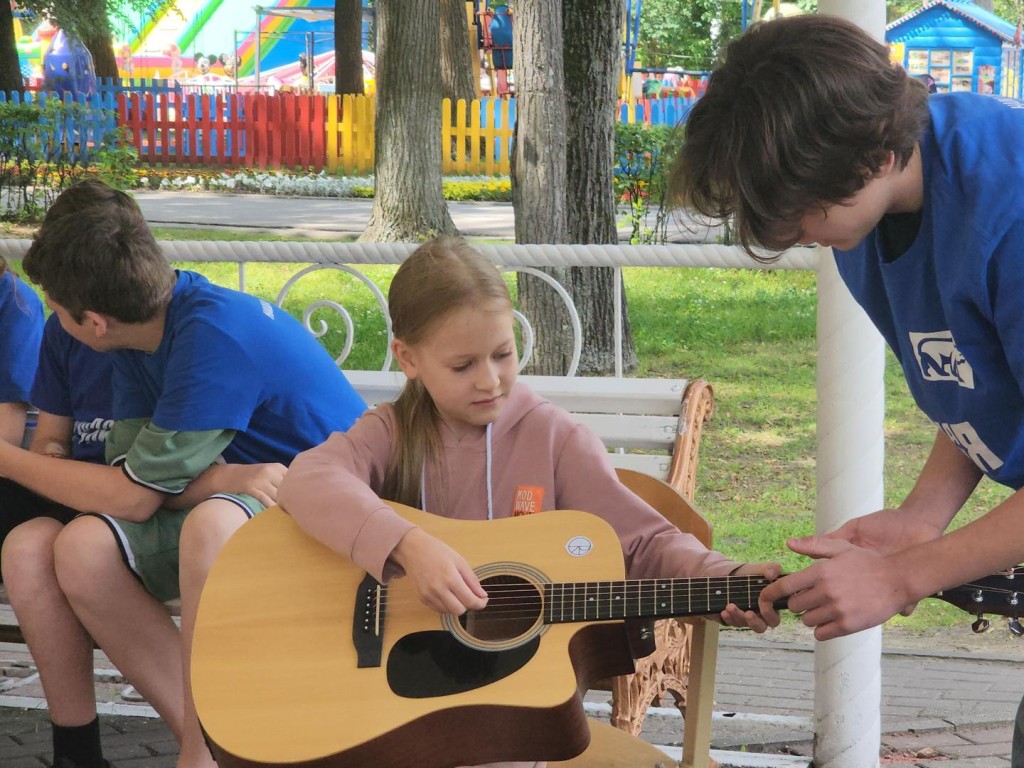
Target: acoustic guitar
301 659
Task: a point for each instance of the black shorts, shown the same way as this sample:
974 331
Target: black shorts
18 504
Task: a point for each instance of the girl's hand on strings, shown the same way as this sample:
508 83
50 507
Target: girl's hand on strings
444 580
734 617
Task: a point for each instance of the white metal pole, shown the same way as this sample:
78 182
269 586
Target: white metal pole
851 410
851 361
259 43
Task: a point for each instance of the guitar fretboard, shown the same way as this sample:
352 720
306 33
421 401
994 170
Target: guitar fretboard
648 598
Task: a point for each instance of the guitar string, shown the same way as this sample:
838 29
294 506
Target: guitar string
508 601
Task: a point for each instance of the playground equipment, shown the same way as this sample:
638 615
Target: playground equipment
67 66
494 37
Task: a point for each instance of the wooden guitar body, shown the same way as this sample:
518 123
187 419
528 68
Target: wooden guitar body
285 623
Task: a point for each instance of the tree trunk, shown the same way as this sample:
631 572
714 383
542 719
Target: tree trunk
97 37
592 69
408 203
456 60
10 69
538 172
348 47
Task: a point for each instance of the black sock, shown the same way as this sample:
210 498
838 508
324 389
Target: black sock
79 744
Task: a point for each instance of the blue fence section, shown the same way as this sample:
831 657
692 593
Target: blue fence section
670 112
70 133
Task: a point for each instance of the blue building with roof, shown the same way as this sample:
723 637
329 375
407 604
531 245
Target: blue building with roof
961 45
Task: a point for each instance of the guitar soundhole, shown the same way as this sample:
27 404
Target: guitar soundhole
514 607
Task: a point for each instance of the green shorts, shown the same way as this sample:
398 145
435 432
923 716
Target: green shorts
150 548
165 461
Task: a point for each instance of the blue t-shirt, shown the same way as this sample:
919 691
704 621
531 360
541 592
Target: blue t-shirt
230 361
21 330
74 380
952 306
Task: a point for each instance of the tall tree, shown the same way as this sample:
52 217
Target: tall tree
408 203
456 59
93 29
10 69
686 34
593 65
567 70
348 46
538 168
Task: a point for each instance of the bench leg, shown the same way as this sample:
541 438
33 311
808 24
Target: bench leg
700 695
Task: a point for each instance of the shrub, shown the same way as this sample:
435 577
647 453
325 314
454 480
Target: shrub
644 156
44 148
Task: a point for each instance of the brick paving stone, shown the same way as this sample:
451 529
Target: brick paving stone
918 741
1000 735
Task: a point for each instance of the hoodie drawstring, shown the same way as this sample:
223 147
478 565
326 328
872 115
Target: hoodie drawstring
490 484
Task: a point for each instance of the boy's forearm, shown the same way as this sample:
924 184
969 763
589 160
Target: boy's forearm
53 435
987 545
944 485
12 422
79 484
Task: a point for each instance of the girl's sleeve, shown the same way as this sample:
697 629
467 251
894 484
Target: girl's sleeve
331 492
653 547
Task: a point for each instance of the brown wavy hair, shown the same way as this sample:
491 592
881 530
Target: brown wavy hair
801 114
440 276
94 251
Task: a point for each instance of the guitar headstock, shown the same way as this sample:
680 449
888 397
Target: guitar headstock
1001 594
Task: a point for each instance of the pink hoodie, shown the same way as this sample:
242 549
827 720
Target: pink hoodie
532 444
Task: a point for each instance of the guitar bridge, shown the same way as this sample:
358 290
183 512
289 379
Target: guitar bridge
368 622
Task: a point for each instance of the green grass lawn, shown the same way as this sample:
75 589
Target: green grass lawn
751 334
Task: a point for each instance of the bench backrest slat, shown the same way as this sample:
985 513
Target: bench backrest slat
629 414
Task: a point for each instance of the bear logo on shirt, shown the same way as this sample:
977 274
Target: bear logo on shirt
940 360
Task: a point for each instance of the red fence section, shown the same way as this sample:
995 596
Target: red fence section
287 130
236 129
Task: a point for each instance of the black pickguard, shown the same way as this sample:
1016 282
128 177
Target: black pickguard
427 664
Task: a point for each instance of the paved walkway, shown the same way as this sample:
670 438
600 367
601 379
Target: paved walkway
336 217
941 708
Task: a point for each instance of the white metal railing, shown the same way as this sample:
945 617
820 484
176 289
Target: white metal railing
344 257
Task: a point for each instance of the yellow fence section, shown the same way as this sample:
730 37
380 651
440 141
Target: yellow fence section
350 121
475 136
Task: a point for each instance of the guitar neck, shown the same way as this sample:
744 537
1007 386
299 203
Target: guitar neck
649 598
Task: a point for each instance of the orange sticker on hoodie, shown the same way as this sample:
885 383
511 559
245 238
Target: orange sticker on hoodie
528 501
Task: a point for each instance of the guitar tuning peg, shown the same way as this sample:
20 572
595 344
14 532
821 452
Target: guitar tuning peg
981 625
1015 627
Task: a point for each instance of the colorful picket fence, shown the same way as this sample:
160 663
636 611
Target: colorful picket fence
292 131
